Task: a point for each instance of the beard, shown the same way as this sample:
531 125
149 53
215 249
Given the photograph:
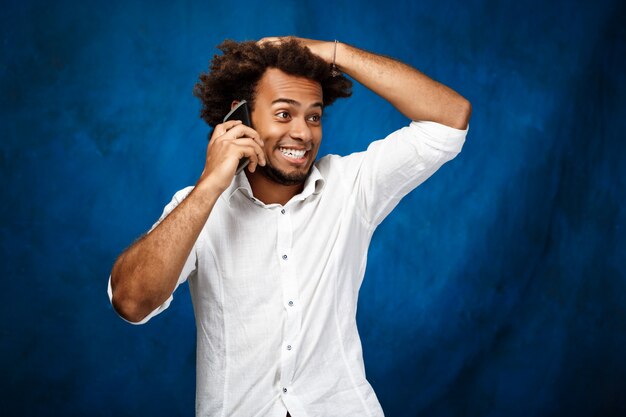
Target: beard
284 178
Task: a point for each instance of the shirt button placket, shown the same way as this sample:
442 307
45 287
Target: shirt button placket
288 280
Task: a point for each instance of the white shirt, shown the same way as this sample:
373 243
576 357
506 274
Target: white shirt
275 288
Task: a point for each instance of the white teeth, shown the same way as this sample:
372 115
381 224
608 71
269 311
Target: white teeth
292 153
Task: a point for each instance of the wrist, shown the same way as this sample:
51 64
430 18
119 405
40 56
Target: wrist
339 55
322 49
209 188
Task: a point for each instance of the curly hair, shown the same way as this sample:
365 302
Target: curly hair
235 74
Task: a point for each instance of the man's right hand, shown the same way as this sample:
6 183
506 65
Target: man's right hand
230 142
145 275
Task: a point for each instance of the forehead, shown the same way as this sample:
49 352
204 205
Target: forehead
276 84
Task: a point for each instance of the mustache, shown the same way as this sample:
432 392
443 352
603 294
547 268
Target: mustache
307 146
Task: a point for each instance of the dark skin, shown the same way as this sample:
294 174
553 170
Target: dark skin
286 137
287 115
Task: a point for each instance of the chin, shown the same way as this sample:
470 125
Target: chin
286 178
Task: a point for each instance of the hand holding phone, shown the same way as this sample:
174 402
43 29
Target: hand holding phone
240 112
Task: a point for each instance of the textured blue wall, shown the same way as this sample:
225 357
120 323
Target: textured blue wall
498 288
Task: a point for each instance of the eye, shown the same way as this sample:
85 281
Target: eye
315 118
283 115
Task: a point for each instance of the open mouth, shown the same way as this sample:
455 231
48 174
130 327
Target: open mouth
297 156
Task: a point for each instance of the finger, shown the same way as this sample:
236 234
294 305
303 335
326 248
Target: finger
222 128
257 138
250 153
271 40
259 154
243 131
267 39
252 166
260 157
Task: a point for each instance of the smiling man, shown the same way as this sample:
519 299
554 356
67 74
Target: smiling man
275 255
289 113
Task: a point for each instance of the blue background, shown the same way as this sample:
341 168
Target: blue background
498 288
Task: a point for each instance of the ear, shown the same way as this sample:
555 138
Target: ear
234 104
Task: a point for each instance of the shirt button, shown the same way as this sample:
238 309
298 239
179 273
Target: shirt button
288 347
285 390
283 211
285 257
290 303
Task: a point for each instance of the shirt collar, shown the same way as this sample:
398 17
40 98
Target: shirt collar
313 185
240 182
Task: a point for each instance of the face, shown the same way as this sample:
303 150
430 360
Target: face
288 116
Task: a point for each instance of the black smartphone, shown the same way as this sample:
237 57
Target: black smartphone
240 112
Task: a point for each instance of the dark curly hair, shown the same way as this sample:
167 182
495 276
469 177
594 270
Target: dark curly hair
235 74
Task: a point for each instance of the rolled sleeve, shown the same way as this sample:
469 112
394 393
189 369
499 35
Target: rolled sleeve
156 311
392 167
189 267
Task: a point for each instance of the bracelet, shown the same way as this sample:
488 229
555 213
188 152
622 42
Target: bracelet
334 71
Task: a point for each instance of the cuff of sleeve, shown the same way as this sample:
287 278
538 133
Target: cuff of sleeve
442 137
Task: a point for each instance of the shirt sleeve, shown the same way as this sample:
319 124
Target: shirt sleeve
189 267
392 167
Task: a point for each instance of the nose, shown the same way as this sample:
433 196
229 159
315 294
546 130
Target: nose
299 129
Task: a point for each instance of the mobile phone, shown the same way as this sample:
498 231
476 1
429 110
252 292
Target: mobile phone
240 112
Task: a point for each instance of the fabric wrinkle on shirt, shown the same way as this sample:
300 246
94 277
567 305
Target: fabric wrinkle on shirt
275 288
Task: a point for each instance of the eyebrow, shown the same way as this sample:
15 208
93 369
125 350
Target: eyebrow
296 103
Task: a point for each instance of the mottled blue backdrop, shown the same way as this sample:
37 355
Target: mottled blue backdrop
498 288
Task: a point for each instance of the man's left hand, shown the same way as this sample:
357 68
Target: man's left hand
323 49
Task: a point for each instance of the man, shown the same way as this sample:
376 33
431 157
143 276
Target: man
275 255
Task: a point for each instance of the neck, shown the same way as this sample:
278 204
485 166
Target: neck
270 192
